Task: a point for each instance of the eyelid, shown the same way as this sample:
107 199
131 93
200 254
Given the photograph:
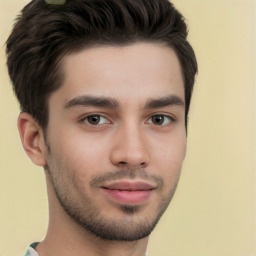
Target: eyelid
83 118
171 118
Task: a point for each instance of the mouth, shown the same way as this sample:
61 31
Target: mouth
128 192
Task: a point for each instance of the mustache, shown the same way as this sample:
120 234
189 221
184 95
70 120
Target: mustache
129 173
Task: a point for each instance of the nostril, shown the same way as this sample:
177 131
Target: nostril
122 163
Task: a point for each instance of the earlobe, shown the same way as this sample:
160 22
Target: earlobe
32 139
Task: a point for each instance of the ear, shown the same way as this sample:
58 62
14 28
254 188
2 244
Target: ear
32 138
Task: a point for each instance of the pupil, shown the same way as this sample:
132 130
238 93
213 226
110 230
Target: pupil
94 119
158 119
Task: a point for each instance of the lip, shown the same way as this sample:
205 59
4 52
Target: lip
128 192
129 185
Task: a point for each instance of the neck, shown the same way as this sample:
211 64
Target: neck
65 237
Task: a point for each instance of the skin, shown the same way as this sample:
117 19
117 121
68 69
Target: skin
144 83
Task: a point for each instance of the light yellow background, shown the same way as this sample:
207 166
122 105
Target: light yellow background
213 212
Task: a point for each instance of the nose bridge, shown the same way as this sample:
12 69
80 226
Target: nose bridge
130 146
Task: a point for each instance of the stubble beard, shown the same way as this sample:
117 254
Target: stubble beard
88 215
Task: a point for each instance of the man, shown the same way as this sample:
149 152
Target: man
104 89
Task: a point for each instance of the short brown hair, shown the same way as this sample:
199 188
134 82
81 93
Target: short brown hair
45 33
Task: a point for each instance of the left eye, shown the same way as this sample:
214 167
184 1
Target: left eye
95 120
160 120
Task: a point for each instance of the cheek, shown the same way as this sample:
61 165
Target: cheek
170 156
84 154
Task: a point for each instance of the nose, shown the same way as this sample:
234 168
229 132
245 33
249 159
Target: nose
129 148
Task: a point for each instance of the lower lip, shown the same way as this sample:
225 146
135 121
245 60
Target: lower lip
129 197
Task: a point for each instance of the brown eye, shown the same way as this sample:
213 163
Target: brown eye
160 120
95 120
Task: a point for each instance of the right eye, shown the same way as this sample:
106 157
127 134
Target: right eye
95 120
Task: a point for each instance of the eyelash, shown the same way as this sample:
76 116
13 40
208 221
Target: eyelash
171 119
85 119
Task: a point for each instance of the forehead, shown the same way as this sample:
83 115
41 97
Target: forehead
140 71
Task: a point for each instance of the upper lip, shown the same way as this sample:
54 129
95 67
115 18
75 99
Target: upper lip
129 185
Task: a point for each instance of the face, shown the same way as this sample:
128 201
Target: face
116 137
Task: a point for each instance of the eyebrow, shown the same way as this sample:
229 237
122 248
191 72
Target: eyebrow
111 103
164 102
105 102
